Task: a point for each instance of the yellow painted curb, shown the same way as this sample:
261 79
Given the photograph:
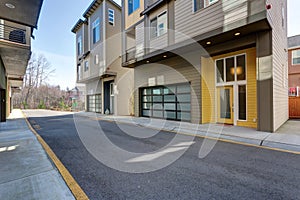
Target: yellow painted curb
70 181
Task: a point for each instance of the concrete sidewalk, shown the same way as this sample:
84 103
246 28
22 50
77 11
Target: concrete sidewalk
26 171
284 138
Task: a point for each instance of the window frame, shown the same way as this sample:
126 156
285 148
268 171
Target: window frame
95 25
295 50
86 66
205 5
79 45
134 7
111 20
165 12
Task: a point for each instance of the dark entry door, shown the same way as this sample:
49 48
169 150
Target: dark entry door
107 95
2 105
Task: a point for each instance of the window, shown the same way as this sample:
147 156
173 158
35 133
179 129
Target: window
231 69
96 61
133 5
159 25
78 72
296 57
79 45
96 30
242 102
199 4
86 66
111 17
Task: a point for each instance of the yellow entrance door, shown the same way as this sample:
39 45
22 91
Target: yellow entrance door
225 104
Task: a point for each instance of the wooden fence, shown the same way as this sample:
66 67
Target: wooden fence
294 107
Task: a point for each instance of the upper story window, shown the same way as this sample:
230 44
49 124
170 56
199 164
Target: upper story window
159 25
296 57
96 30
79 45
133 5
86 66
199 4
111 17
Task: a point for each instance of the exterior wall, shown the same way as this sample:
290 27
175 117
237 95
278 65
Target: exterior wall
170 71
93 87
279 60
134 17
218 15
208 79
79 33
91 19
294 70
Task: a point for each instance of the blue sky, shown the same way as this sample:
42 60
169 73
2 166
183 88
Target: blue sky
55 40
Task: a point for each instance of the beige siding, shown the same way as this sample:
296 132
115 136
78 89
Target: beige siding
280 61
171 71
219 15
134 17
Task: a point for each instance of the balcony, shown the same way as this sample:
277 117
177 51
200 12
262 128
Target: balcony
14 34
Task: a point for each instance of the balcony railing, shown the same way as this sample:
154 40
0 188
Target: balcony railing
131 55
12 34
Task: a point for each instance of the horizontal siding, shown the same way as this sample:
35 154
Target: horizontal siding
279 61
212 17
173 70
159 43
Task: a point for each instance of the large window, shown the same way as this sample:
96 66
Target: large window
133 5
199 4
96 30
79 45
231 69
296 57
170 102
111 17
159 25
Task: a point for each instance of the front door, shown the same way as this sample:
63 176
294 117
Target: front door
2 105
225 105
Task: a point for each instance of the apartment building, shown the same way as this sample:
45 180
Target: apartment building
294 65
98 55
209 61
18 19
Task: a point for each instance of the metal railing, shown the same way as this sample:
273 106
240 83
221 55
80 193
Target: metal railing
12 34
131 54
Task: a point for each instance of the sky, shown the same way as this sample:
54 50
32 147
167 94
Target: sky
56 42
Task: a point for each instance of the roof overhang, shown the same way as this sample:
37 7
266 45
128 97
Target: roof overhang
78 25
153 6
25 12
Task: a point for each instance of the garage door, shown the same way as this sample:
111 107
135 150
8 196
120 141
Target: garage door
171 102
94 103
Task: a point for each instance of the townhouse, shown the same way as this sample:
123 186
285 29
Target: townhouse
18 19
294 65
98 56
208 61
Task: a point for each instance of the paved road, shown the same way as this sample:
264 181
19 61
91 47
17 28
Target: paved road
230 171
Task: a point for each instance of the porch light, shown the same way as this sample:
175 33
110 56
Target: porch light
164 56
237 34
147 61
208 42
9 5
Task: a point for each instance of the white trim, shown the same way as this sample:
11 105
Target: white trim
156 17
234 84
113 18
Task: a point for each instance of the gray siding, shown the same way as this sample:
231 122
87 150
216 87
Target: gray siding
170 71
94 87
218 15
78 34
279 60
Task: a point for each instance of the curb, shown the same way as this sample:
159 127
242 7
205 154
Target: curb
223 138
68 178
